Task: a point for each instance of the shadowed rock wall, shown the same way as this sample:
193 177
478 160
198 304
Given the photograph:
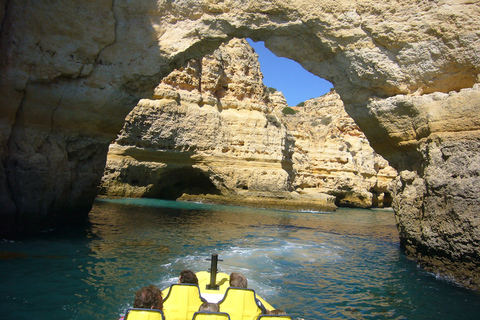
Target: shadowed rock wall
71 71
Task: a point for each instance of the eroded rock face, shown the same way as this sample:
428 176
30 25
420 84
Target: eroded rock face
68 81
211 117
217 117
440 196
333 156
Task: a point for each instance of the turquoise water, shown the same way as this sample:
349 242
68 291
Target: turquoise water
343 265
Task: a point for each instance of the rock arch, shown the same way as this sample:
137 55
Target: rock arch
407 72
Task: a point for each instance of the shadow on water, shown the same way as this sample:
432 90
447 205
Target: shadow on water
343 265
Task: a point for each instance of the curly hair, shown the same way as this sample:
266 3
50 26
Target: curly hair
149 297
188 276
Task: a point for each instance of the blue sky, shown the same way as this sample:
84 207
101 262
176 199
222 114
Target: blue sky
296 83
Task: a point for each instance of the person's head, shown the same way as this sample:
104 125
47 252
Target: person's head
238 280
276 311
209 306
188 276
149 297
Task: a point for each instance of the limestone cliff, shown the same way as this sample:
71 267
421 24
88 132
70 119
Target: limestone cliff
212 131
70 72
333 156
211 134
440 195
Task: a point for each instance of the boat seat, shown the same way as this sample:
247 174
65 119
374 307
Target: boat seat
182 301
208 315
240 304
274 317
144 314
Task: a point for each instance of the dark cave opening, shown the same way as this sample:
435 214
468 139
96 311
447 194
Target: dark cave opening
173 183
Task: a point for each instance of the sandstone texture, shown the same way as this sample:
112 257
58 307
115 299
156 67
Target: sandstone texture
333 156
407 71
210 130
215 129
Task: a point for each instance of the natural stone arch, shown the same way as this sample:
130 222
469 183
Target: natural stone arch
407 72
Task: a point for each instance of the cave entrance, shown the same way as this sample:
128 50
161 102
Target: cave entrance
173 183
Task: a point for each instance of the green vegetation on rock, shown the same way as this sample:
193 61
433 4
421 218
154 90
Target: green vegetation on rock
288 110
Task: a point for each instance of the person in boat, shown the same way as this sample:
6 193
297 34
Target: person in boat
149 297
276 312
188 276
238 280
209 306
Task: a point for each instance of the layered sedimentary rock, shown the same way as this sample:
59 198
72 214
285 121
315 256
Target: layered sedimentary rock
217 134
71 71
333 156
211 133
437 200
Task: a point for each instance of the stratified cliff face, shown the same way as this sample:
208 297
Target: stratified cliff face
209 130
70 71
333 156
437 202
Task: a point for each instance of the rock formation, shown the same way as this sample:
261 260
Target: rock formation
71 71
217 134
333 156
211 133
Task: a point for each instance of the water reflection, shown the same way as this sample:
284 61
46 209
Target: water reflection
343 265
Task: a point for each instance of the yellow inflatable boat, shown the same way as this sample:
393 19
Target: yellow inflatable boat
181 301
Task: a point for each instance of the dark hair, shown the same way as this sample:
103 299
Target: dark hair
238 280
187 276
148 297
209 306
276 311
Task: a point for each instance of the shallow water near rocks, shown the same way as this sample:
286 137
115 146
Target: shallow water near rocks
342 265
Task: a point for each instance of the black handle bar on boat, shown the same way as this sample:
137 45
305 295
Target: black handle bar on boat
213 272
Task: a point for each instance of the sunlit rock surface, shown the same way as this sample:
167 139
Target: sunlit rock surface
210 135
332 155
70 71
180 144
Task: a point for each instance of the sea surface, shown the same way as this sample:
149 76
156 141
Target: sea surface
341 265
